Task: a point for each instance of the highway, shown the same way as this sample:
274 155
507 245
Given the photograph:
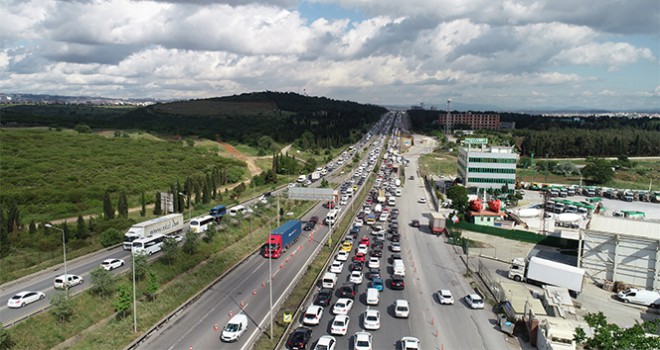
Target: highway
245 289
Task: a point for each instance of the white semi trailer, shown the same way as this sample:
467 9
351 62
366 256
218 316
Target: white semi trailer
165 225
547 272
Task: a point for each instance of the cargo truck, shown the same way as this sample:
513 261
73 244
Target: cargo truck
549 272
281 239
315 176
165 225
437 223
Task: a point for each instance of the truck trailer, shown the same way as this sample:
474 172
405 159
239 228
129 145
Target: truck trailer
281 239
549 272
165 225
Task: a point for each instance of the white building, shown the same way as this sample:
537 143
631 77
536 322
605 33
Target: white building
483 167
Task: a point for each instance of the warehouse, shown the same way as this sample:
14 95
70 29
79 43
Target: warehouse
617 249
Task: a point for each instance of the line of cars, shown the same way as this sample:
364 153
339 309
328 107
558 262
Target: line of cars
24 298
364 265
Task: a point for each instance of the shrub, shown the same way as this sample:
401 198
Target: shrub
111 237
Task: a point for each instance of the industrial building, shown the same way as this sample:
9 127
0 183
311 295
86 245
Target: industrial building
618 249
482 166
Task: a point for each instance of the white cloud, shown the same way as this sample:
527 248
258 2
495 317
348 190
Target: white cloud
610 54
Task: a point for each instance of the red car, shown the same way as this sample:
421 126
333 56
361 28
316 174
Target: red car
359 257
365 240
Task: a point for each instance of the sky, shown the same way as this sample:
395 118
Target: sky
509 54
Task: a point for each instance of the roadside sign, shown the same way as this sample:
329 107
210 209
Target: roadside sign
167 201
311 194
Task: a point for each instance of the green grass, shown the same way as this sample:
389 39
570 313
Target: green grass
247 150
178 282
438 162
55 174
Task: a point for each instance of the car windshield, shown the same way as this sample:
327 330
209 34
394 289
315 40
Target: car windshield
321 347
232 327
362 343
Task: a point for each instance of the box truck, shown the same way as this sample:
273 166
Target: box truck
165 225
281 239
545 271
437 223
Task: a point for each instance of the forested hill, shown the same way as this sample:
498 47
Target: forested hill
244 118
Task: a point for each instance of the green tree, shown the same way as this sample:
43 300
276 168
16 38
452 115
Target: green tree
81 231
325 183
609 336
143 211
103 283
152 286
157 209
270 177
206 195
5 243
565 169
124 300
598 170
82 129
190 246
170 250
67 231
458 196
90 224
61 307
6 343
141 266
32 229
13 219
110 237
122 206
108 210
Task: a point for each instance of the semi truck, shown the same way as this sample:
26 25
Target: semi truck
437 223
546 271
165 225
281 239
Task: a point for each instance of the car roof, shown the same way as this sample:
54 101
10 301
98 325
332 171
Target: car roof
326 339
240 318
314 308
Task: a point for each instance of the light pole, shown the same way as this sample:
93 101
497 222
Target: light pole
189 207
134 298
66 277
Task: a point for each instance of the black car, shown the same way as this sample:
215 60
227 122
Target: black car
324 297
395 211
373 273
395 237
299 339
348 290
397 283
309 226
356 266
414 223
377 245
393 230
361 215
377 253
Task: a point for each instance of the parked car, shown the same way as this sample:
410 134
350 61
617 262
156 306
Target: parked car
24 298
474 301
299 339
414 223
111 264
422 200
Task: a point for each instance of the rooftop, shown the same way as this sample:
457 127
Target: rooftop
627 227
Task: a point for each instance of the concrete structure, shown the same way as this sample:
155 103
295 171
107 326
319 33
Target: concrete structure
486 217
475 121
481 166
617 249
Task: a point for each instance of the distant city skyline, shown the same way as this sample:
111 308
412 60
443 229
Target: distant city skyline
511 55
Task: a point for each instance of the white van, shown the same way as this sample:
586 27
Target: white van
373 296
349 192
640 296
329 280
235 328
399 268
239 209
302 178
331 218
72 280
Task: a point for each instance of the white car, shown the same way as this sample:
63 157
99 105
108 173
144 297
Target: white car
474 301
326 342
71 280
342 256
340 325
445 297
24 298
111 264
362 341
363 248
374 262
401 308
355 277
410 343
371 319
358 223
337 266
395 247
343 306
234 328
422 200
313 315
377 230
367 210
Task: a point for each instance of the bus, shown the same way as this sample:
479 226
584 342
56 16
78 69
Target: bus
201 223
148 245
218 212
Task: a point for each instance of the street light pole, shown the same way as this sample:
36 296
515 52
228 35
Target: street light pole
66 277
270 273
134 297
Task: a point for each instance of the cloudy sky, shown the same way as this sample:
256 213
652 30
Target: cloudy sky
511 54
